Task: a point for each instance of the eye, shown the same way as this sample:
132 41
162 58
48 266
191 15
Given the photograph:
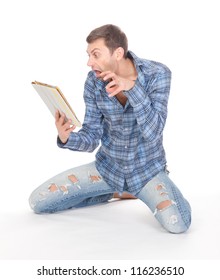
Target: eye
96 55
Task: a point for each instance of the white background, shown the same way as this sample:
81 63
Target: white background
44 40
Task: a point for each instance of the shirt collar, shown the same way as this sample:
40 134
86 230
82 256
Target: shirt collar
138 62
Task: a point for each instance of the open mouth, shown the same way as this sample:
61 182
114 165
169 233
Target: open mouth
97 72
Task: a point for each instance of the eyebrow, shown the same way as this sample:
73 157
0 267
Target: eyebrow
93 50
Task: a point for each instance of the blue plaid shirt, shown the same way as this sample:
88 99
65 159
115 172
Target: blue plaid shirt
131 150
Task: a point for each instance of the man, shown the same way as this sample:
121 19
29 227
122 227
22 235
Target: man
126 108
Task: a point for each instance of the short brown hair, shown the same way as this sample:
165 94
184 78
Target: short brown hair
112 35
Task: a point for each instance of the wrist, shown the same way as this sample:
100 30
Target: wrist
62 140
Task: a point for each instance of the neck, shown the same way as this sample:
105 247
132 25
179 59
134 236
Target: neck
126 69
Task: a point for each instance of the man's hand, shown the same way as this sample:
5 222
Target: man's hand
64 128
116 83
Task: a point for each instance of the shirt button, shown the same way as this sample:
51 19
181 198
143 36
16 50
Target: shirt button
125 167
126 147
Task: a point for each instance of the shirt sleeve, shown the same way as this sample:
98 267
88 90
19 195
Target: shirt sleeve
88 137
149 103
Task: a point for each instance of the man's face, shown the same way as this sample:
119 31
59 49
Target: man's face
100 58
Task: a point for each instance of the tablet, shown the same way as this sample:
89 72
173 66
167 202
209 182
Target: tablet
55 100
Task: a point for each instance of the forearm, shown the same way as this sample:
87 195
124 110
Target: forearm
150 108
83 141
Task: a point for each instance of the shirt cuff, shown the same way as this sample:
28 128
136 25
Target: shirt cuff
60 143
136 95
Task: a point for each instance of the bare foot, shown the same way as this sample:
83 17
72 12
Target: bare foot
124 196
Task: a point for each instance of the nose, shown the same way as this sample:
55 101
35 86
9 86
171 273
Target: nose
90 62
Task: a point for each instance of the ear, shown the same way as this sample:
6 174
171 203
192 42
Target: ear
119 53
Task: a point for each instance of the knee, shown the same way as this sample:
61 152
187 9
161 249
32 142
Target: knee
178 229
173 219
38 209
36 204
178 223
40 197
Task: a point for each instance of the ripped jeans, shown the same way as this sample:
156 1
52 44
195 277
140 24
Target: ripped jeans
84 186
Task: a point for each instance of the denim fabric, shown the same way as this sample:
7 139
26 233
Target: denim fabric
60 192
84 186
176 216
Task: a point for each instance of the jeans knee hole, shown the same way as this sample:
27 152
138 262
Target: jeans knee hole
53 188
